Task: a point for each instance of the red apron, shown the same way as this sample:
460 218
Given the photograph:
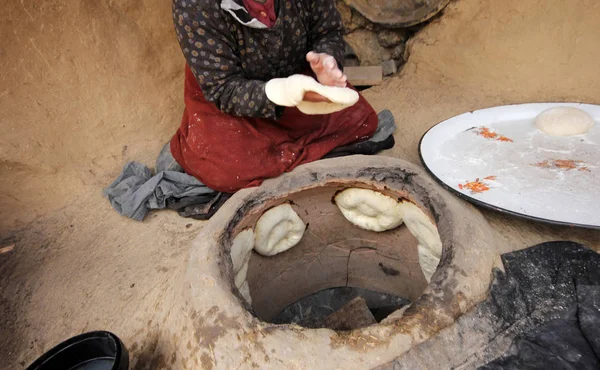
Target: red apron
228 153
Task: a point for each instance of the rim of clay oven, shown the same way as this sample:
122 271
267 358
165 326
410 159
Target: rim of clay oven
461 280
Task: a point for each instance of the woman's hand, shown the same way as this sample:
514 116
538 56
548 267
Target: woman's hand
326 69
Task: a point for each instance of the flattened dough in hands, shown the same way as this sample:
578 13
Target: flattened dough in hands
369 209
289 92
426 233
340 97
278 230
564 121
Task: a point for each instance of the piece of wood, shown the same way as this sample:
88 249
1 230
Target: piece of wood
354 315
7 249
364 76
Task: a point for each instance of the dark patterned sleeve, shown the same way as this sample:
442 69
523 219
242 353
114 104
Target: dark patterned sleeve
326 29
209 49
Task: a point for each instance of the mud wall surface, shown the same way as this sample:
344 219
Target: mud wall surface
483 53
87 85
84 86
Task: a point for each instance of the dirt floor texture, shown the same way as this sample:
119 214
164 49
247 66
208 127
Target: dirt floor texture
87 85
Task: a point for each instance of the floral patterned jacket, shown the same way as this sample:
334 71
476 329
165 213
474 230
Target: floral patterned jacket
233 55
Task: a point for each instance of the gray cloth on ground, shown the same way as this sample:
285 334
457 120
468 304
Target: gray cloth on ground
382 139
386 126
135 192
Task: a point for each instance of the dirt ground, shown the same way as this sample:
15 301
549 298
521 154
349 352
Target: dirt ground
87 85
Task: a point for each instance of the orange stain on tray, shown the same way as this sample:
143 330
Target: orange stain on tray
563 164
477 186
489 134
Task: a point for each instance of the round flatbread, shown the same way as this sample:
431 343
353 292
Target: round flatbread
426 233
289 92
278 230
240 277
241 249
369 209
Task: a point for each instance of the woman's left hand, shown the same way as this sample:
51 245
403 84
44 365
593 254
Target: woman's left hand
314 97
326 69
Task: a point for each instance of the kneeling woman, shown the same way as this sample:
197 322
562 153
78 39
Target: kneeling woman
236 131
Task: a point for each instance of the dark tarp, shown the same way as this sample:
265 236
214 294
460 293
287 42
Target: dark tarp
542 312
550 280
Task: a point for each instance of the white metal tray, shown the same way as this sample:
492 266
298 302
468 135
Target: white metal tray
497 158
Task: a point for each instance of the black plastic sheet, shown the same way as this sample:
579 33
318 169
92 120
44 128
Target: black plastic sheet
542 312
553 275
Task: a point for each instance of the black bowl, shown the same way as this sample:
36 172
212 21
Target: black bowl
97 350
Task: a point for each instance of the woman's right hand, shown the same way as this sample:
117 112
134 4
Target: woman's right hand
326 69
314 97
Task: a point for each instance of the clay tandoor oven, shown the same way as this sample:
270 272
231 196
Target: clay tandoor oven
229 326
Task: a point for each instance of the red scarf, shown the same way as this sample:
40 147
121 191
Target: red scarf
263 12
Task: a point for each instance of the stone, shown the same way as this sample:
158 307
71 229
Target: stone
351 62
398 13
311 311
349 52
398 51
359 21
366 46
354 315
389 67
352 19
386 53
389 38
346 14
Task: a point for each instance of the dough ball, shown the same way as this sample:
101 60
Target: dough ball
241 249
369 210
278 230
426 233
564 121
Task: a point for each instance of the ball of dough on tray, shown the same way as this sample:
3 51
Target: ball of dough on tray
564 121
